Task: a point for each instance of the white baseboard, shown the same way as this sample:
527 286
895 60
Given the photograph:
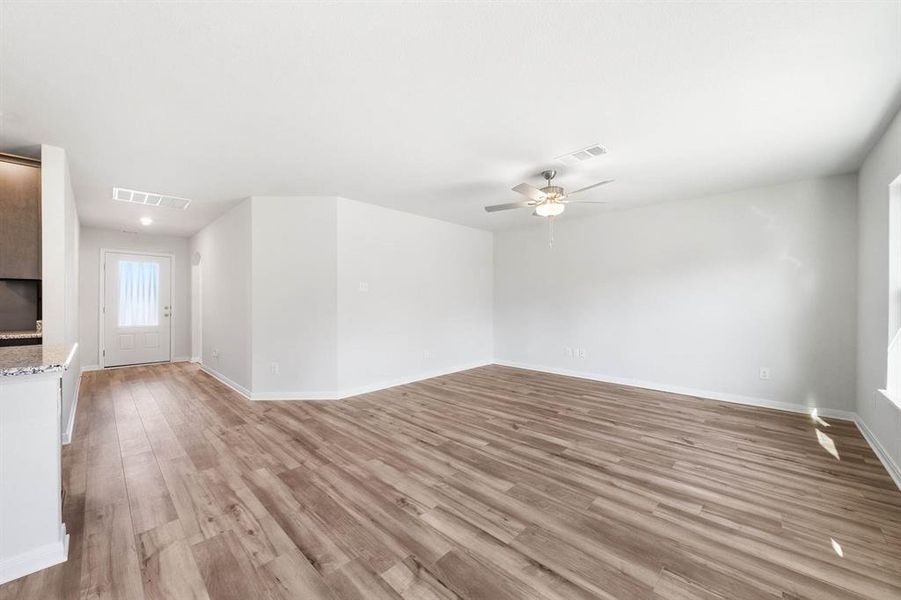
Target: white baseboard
339 395
364 389
884 457
32 561
180 359
374 387
660 387
294 396
196 359
223 379
70 426
85 368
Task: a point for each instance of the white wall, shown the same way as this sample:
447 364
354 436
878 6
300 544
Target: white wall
291 285
294 297
196 276
428 308
92 241
880 416
59 267
694 295
225 250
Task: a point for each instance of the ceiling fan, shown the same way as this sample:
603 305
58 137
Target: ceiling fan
549 201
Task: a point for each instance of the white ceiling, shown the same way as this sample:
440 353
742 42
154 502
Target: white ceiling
440 108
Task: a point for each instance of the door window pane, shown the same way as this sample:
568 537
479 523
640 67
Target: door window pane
139 293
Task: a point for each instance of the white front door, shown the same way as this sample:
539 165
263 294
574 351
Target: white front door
136 309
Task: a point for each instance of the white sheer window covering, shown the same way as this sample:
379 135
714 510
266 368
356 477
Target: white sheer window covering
139 293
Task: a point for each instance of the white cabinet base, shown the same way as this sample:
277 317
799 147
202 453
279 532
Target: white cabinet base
35 560
32 534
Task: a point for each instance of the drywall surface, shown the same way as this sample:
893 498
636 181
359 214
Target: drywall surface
224 247
881 167
325 297
695 296
59 268
414 296
93 240
294 297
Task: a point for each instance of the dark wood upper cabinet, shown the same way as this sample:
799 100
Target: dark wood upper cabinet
20 218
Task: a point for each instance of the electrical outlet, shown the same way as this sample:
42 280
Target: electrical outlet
581 352
364 286
273 368
216 354
764 372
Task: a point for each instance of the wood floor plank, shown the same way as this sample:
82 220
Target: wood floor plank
356 581
148 496
110 568
492 483
226 570
413 582
168 568
291 576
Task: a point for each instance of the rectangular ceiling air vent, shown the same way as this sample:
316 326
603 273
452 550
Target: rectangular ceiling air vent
149 199
581 155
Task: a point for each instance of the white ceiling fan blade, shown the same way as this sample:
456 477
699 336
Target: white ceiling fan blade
527 190
588 187
584 201
497 207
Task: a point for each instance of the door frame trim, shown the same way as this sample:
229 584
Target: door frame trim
101 300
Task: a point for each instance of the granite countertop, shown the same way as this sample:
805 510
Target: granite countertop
20 335
31 360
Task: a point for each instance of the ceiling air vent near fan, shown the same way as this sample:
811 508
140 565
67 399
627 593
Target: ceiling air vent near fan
149 198
580 156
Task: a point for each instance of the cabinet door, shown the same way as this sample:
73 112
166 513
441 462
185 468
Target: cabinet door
20 221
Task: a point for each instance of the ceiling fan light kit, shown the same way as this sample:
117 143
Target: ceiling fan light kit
549 209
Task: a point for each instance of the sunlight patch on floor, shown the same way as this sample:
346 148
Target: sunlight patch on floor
827 444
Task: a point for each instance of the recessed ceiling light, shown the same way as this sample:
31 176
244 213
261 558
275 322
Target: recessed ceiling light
145 221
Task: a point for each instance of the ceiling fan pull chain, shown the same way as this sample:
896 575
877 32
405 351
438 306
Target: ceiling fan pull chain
550 232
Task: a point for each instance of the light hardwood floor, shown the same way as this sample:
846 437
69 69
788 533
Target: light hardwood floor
493 483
